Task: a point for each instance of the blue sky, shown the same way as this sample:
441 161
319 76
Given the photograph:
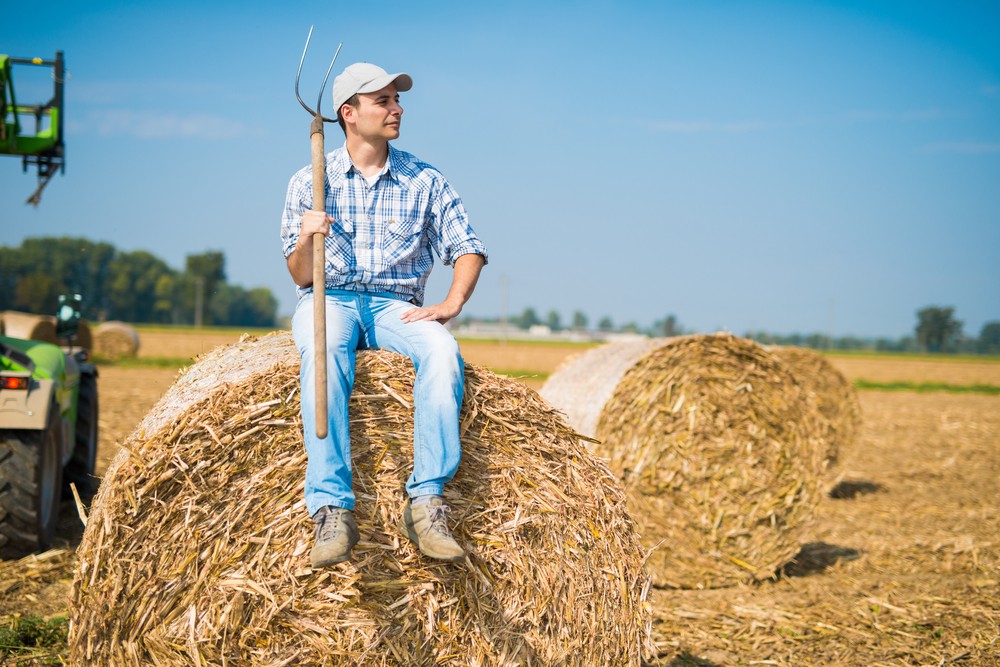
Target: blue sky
787 166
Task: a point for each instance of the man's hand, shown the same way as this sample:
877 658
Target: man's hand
467 268
301 259
441 312
315 222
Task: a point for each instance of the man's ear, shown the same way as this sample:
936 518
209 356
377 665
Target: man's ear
347 112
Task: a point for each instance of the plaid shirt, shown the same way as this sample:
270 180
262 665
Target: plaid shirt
382 235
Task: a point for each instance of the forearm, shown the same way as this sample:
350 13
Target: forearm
300 262
466 274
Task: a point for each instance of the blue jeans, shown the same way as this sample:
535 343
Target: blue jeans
358 321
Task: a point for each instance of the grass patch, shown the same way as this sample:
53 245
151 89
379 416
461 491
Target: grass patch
33 640
923 387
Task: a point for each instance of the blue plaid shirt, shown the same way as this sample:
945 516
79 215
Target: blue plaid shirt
382 236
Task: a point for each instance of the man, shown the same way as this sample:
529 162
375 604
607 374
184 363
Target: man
385 211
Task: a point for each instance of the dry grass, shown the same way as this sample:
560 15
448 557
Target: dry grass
196 548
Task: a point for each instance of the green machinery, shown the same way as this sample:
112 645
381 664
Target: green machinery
48 431
33 131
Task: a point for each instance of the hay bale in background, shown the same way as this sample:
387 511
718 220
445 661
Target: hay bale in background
28 326
835 397
116 340
583 383
721 453
196 550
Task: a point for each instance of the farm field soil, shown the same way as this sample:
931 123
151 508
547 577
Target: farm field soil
902 569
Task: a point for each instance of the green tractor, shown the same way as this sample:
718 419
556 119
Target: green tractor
48 431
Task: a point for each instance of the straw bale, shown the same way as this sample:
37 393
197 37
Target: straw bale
116 340
835 397
720 452
28 326
584 382
196 549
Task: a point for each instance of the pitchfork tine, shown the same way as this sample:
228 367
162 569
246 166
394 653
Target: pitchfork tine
319 101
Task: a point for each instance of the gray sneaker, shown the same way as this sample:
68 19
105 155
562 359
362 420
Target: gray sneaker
427 526
336 534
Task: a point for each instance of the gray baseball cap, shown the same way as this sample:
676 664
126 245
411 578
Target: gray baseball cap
365 78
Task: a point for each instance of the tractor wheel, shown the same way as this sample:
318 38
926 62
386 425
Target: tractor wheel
80 469
30 488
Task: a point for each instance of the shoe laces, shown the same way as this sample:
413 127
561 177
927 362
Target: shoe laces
329 525
437 516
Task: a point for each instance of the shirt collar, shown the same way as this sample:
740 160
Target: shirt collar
394 162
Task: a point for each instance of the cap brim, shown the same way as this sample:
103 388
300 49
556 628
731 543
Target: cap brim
401 79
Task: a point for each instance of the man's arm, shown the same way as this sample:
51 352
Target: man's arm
467 268
300 261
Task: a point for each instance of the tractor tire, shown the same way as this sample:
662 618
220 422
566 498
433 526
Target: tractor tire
80 469
30 488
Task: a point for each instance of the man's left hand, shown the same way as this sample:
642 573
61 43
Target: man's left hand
441 312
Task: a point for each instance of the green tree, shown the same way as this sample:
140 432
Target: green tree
527 319
667 327
132 289
553 321
579 320
38 293
605 324
937 329
234 306
989 338
202 276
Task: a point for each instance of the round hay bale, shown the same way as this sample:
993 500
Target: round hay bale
835 397
116 340
196 549
28 326
583 383
719 450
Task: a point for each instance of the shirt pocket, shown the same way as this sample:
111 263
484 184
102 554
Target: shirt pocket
403 240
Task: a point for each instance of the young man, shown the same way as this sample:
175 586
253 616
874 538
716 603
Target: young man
385 211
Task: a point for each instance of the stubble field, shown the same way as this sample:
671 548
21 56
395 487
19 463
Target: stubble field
902 566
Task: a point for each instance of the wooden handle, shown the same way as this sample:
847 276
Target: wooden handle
319 275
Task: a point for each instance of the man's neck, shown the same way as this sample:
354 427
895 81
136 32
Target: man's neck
367 156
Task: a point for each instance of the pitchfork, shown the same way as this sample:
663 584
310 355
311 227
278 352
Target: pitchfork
319 241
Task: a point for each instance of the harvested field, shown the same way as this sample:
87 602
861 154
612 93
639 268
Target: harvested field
931 369
900 570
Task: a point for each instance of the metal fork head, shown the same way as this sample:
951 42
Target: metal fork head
319 102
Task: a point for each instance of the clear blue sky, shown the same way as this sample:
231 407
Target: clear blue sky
786 166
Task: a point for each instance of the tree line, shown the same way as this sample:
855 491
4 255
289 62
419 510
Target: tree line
937 330
134 286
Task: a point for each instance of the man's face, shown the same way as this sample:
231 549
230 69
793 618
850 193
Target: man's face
378 114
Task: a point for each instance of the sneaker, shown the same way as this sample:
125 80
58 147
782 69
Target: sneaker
426 525
336 534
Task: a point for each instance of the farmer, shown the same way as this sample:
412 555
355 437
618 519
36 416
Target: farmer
385 211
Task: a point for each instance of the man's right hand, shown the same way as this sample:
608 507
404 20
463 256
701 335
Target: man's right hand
300 261
315 222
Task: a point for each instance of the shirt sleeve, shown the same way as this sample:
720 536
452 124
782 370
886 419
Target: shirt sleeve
453 235
298 199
